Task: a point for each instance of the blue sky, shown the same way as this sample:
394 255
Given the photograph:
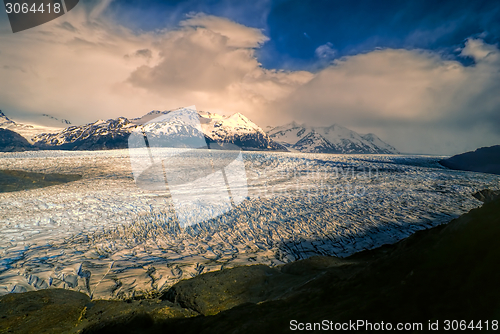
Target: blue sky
422 75
297 28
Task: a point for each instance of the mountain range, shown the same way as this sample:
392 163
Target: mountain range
220 132
28 131
332 139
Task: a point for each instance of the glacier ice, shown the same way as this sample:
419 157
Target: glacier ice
106 237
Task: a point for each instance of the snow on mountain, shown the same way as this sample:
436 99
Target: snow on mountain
28 131
101 134
220 127
332 139
236 129
313 142
379 142
5 122
288 134
219 132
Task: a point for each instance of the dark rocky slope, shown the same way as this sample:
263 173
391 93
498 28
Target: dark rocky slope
484 160
11 141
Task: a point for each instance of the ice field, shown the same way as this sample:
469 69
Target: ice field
105 236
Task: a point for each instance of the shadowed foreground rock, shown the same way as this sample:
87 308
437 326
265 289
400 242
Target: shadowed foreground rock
447 272
66 311
44 311
487 195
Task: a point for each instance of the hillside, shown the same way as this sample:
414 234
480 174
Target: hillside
332 139
484 160
220 132
11 141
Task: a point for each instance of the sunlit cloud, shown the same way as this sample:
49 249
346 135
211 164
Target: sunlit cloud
405 93
83 67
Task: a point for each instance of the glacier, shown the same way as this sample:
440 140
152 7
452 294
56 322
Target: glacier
106 237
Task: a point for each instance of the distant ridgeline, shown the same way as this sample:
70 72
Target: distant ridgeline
113 133
218 131
333 139
483 160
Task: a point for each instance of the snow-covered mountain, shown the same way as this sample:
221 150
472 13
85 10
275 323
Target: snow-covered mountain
332 139
238 130
5 122
219 132
99 135
28 131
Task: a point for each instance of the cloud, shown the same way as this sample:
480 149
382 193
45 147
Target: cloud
83 67
100 69
145 53
404 94
237 35
72 73
480 51
325 51
211 61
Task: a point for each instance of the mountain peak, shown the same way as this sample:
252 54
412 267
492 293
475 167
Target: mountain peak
370 136
294 124
239 118
332 139
4 117
237 115
335 127
5 121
